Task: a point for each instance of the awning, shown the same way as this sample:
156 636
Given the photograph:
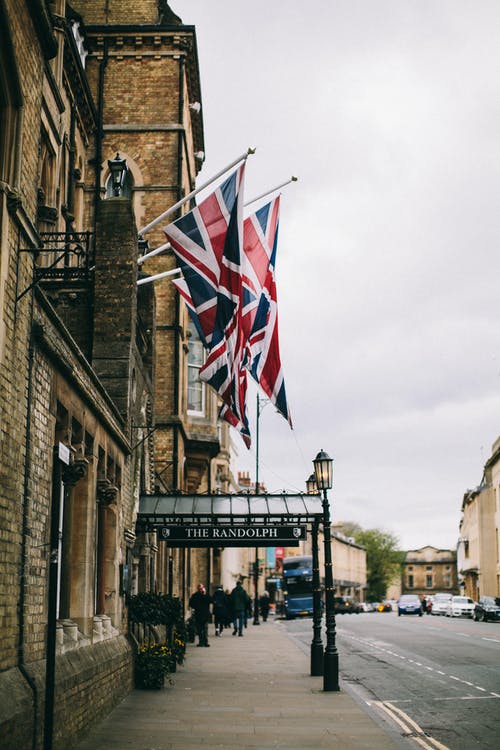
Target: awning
228 510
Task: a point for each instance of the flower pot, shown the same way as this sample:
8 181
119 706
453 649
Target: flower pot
149 680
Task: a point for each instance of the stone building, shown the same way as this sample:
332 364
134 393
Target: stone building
348 558
427 571
479 542
99 399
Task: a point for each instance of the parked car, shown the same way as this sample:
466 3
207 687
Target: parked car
487 608
409 604
342 605
460 606
440 604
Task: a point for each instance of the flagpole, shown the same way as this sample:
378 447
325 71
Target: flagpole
167 245
268 192
164 274
152 253
188 197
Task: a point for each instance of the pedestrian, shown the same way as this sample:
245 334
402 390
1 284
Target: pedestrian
200 604
220 609
265 603
249 610
424 605
239 599
230 615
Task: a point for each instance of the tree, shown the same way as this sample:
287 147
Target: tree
383 559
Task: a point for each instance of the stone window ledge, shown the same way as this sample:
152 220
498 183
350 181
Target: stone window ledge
69 638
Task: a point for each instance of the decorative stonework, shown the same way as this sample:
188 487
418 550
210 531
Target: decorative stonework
106 493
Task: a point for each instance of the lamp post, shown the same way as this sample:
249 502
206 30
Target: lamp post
323 471
316 643
117 168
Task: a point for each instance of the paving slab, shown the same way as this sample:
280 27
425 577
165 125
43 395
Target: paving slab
250 693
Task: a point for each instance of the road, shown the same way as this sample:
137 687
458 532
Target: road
436 680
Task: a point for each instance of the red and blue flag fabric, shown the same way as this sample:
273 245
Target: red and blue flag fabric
260 316
229 287
207 242
199 240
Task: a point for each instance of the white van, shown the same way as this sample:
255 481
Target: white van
440 604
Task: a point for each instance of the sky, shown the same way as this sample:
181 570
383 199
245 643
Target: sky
388 269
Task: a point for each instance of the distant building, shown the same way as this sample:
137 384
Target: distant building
428 570
349 563
478 546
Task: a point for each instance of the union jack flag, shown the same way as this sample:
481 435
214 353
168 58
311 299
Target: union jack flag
260 318
199 241
207 244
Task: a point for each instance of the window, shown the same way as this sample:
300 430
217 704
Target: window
447 581
79 41
10 104
428 581
196 358
429 567
410 581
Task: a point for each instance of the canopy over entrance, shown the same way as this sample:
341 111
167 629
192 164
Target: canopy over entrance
228 510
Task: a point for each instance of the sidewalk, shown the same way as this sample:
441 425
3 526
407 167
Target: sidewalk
251 692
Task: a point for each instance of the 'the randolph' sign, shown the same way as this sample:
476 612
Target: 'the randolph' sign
232 536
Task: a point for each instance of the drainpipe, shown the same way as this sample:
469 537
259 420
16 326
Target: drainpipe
99 134
24 537
71 169
97 176
54 551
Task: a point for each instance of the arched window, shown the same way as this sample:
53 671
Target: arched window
10 105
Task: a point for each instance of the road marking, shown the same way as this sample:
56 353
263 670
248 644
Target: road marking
410 727
367 642
493 640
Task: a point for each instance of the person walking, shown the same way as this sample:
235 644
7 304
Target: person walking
239 598
220 609
200 603
265 603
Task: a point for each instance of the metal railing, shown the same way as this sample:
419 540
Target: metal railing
65 256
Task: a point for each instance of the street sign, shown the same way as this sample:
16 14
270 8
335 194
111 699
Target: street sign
231 536
63 453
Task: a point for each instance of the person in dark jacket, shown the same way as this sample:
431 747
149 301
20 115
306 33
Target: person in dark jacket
239 600
221 608
265 602
200 603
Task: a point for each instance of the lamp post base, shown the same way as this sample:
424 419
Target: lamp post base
331 672
316 659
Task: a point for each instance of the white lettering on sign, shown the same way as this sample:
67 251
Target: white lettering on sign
249 533
197 533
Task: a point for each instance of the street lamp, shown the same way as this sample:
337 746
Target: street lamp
316 643
323 471
311 486
117 169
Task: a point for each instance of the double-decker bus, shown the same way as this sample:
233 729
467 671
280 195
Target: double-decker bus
296 598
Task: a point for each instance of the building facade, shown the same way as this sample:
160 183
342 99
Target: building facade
99 400
479 541
427 571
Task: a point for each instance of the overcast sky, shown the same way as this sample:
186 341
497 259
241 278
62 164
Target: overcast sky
388 266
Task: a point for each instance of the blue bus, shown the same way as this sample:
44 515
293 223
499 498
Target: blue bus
297 587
